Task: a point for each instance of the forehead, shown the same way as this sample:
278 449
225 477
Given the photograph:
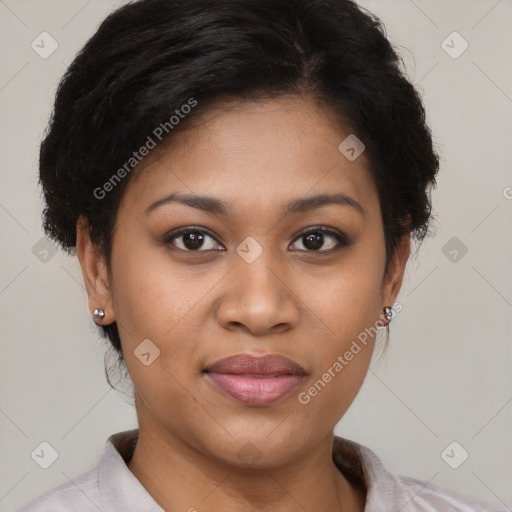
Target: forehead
257 150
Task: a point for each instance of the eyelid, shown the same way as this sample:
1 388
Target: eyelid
322 229
175 233
342 238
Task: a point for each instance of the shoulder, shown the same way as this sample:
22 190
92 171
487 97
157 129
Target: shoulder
109 485
426 496
81 493
388 492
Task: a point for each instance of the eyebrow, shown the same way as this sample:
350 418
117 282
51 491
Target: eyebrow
214 205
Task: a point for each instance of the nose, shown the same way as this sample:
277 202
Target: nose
258 298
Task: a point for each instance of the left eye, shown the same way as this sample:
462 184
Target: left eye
314 238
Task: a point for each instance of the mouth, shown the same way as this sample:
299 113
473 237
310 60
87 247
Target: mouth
255 380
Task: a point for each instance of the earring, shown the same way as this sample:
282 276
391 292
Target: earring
388 311
99 314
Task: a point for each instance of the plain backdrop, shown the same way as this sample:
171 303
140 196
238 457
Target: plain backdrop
447 375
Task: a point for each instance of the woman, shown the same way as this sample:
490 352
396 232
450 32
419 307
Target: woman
241 180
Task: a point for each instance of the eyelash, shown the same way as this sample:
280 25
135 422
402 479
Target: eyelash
341 238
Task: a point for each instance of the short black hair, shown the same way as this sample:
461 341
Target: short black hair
149 58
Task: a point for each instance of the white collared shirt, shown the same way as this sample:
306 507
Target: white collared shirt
111 487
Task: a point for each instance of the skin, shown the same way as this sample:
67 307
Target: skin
199 307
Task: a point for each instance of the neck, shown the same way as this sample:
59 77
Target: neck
180 477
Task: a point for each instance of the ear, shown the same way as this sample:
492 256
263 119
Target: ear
392 281
94 270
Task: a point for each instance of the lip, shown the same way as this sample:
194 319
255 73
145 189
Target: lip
255 380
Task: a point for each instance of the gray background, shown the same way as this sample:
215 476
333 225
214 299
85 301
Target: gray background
447 374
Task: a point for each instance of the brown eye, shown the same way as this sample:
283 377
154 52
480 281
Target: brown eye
192 240
322 240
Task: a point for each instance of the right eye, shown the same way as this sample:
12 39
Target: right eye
192 239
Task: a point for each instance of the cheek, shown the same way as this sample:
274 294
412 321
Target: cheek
329 392
155 299
151 294
343 357
349 305
349 299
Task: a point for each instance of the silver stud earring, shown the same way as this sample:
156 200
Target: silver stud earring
99 314
388 311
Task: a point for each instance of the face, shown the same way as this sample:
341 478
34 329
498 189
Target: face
257 269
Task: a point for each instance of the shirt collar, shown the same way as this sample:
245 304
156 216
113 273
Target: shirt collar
117 483
360 465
